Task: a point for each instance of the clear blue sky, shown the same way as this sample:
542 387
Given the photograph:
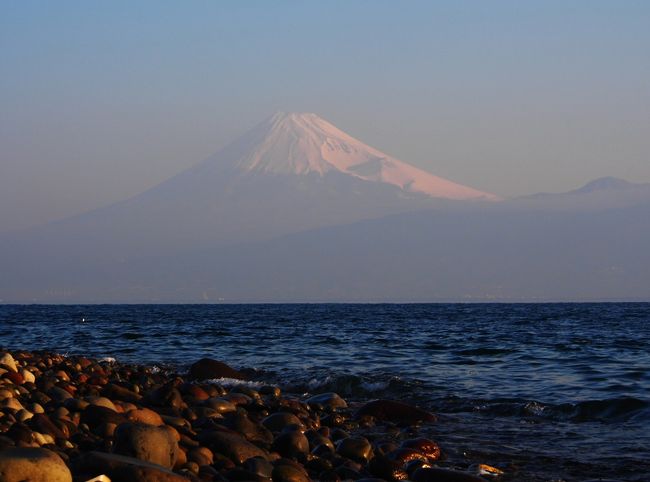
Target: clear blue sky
100 100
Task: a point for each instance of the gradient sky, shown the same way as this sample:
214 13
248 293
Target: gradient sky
101 100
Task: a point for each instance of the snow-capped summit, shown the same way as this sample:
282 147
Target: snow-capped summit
304 143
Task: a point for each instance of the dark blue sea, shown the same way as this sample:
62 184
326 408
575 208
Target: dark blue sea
543 391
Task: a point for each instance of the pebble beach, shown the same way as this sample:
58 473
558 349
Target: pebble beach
65 418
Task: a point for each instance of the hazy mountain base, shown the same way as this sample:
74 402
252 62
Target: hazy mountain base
468 254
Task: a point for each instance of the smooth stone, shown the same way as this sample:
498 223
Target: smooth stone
329 400
101 402
6 393
15 378
427 447
253 432
316 439
232 445
120 468
393 411
276 422
146 416
165 396
33 465
434 474
152 444
200 455
12 403
221 405
288 473
259 466
95 415
292 445
355 448
8 361
59 394
27 376
42 423
207 369
116 392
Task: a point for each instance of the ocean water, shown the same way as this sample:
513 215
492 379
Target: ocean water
543 391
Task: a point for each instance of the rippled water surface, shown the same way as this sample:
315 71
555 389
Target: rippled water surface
546 391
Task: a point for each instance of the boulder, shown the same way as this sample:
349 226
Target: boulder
207 368
153 444
331 401
32 464
230 444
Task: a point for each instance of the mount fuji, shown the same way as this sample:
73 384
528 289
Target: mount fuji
303 144
297 210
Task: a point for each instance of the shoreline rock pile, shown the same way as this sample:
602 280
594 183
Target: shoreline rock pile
75 418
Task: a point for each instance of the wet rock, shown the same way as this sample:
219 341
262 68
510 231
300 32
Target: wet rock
285 472
425 446
393 411
33 465
221 405
277 422
230 444
146 442
293 445
95 415
207 368
355 448
249 429
259 466
165 396
200 455
330 401
116 392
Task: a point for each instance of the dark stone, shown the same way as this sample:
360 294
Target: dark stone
230 444
291 445
425 446
206 369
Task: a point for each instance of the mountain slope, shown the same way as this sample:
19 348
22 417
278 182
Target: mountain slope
303 143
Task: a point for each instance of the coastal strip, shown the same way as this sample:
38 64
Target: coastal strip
65 418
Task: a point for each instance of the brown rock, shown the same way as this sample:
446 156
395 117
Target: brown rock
157 445
230 444
278 421
293 445
146 416
207 368
355 448
33 465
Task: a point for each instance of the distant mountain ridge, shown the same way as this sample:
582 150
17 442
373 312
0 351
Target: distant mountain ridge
297 210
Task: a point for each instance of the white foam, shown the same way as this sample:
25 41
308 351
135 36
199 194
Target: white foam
234 382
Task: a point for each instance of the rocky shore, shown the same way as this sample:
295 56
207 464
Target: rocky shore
75 418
